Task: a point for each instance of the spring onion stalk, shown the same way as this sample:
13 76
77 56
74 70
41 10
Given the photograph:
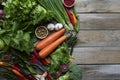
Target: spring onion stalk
59 12
62 10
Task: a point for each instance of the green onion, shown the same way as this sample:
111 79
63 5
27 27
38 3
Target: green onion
59 12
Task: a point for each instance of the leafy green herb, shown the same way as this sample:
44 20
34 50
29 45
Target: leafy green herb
65 77
19 22
74 73
17 39
60 56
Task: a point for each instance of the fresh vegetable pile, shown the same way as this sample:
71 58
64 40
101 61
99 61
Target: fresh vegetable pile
37 38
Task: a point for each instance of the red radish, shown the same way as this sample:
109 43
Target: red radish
1 16
1 12
68 3
56 74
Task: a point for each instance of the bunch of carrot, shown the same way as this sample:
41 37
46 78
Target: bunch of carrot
12 69
49 44
16 69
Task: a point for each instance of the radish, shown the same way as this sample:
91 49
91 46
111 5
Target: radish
1 12
1 16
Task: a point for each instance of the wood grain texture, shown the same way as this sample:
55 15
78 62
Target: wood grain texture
99 21
97 5
96 55
101 72
101 38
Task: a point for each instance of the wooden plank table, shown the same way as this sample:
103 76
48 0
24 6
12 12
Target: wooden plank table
98 49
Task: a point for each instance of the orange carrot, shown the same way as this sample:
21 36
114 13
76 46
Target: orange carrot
50 39
16 72
74 19
3 64
13 70
47 61
47 50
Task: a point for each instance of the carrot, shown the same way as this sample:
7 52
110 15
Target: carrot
3 64
47 61
50 39
72 17
47 50
12 70
17 73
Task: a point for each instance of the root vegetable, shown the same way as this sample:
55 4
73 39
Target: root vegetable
1 12
16 73
56 75
47 50
64 68
3 64
50 39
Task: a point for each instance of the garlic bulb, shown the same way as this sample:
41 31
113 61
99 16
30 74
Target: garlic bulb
58 26
50 27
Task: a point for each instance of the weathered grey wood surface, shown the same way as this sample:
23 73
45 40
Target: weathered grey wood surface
96 55
101 72
100 21
98 5
99 39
